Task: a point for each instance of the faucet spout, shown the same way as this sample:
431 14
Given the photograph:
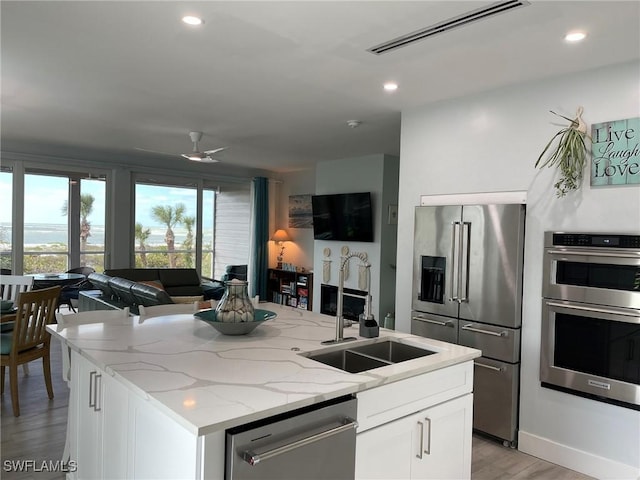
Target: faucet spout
340 301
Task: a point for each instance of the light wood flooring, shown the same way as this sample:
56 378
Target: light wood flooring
39 434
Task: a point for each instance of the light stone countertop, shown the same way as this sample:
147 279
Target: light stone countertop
207 381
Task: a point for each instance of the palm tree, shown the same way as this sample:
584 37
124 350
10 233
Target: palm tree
169 216
188 222
86 207
141 235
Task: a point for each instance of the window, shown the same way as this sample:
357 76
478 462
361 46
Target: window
165 228
60 220
171 232
6 200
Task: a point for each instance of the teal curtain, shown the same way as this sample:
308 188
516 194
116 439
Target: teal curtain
260 253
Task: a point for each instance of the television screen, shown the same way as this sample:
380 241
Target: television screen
343 216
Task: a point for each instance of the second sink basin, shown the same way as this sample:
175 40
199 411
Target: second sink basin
360 358
393 352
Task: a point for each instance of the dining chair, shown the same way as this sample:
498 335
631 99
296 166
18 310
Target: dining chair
29 339
70 293
12 285
84 318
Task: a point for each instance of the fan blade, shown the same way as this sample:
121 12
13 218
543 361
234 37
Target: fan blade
203 159
211 152
155 151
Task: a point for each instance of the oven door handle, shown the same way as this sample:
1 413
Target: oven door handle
594 253
435 322
594 309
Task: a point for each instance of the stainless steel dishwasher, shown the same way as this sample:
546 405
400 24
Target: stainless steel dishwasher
316 442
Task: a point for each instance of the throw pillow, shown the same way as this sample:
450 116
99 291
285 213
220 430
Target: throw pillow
153 283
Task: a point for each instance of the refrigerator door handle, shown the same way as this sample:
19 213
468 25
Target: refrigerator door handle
465 255
455 262
469 327
435 322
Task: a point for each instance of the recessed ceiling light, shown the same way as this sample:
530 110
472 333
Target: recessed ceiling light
575 36
390 86
190 20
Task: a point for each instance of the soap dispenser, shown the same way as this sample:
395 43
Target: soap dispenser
368 326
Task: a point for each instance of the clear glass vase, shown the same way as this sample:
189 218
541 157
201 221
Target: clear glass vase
235 305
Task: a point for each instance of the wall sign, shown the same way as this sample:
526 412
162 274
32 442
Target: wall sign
615 152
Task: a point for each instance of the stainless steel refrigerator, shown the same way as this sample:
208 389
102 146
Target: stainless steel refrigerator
467 289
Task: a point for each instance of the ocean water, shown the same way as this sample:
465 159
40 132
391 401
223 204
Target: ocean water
48 233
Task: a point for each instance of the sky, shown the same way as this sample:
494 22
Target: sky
45 197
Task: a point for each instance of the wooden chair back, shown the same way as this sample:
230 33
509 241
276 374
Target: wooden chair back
36 309
29 338
12 285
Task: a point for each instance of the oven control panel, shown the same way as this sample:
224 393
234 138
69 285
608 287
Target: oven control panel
595 240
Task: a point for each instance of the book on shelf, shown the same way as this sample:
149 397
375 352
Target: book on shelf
302 303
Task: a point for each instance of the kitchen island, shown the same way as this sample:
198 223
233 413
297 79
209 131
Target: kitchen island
152 398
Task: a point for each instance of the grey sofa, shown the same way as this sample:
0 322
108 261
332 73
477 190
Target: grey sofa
121 288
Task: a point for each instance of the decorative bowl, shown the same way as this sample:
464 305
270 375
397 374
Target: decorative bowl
6 305
235 328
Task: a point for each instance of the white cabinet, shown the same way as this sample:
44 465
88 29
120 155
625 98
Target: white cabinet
417 428
99 413
432 444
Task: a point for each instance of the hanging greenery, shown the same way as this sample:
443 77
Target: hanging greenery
569 155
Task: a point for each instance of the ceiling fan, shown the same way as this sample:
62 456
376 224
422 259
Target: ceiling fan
196 155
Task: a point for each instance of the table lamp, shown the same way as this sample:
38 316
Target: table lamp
280 236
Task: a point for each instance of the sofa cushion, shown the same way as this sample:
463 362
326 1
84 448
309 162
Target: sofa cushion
148 295
122 289
152 283
100 281
135 274
180 282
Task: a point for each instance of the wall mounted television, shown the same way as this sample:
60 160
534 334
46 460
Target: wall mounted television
343 216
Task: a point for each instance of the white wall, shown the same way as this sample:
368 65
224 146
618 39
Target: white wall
361 174
489 143
300 250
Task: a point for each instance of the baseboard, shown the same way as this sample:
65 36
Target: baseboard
578 460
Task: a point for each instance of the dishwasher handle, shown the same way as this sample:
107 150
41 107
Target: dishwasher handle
253 458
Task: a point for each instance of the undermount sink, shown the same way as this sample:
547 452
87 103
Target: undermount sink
360 358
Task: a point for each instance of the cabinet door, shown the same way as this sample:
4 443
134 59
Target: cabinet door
99 422
384 452
444 441
432 444
87 428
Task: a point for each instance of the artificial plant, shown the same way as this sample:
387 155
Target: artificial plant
569 155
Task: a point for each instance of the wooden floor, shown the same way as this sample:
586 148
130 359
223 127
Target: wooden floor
39 435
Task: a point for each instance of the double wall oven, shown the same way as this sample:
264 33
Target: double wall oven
590 343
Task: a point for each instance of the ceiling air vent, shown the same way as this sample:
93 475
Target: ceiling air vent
446 25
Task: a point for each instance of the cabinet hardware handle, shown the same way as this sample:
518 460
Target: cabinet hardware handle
593 253
490 367
435 322
428 422
453 254
92 400
485 332
253 458
419 455
98 389
464 265
593 309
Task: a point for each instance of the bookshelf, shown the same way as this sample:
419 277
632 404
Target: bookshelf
290 288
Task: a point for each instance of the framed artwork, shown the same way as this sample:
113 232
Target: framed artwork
300 215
